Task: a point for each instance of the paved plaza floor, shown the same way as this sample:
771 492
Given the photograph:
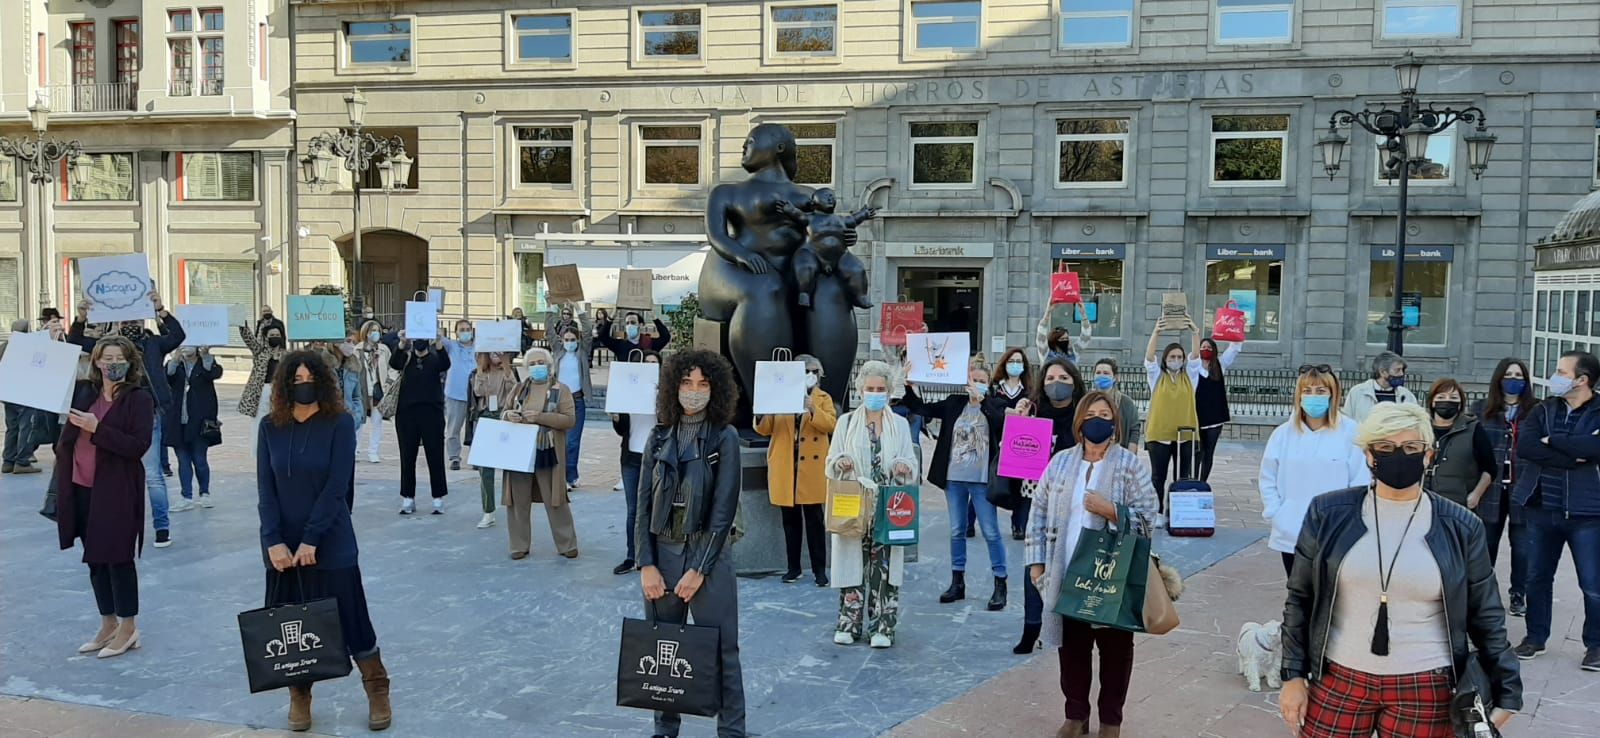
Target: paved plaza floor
479 645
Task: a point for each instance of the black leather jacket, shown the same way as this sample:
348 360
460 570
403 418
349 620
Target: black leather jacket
711 466
1472 608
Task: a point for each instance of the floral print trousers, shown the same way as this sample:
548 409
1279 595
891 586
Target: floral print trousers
873 607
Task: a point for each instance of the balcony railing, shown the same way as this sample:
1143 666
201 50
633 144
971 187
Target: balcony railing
99 97
187 88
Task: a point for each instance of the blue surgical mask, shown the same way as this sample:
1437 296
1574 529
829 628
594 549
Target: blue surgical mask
570 346
631 330
539 373
1014 368
1104 383
981 389
875 401
466 336
1315 406
373 336
1513 387
1559 386
1397 382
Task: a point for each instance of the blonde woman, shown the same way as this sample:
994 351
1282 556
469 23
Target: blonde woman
540 400
871 444
1311 454
374 356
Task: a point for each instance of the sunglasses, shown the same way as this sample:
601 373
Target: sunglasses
1318 368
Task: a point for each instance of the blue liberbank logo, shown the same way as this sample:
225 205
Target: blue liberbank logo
117 289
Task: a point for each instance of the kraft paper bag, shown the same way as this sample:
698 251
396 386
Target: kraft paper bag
631 387
203 325
636 289
563 283
1174 307
850 507
422 321
780 388
498 444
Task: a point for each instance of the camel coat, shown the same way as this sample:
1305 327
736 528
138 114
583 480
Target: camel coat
529 399
816 427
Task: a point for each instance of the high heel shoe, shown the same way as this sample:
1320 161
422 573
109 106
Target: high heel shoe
92 646
108 652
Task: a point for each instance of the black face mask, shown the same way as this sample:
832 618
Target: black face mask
1398 469
1097 430
419 346
275 341
1446 409
305 393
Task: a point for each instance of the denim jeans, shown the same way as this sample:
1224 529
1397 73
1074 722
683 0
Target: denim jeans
1548 531
154 483
630 490
1517 531
575 440
957 495
192 463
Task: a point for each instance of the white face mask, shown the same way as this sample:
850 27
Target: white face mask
811 380
1174 365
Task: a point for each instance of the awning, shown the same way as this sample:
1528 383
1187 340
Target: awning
676 267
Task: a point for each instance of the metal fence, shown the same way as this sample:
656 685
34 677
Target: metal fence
1264 393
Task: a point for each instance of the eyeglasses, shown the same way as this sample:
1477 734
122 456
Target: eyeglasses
1411 448
1318 368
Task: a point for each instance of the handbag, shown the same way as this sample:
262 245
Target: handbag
1159 615
211 432
391 399
1001 491
38 428
669 667
290 645
1472 701
1100 575
48 510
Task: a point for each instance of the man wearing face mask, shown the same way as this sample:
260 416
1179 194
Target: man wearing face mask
1388 384
632 335
1559 490
419 419
569 335
457 392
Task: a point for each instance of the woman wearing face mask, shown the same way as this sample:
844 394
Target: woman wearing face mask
1174 378
1388 384
634 428
191 377
569 354
1011 388
1080 490
265 351
305 474
540 400
969 434
1312 454
374 356
1391 592
1056 343
1054 398
492 383
1500 415
1211 398
419 419
795 481
1463 465
457 388
1128 426
689 497
352 378
101 450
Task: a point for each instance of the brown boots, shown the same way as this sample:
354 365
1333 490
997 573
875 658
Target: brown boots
375 679
300 708
1073 729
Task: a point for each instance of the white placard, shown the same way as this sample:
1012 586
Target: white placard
780 388
937 358
997 345
631 387
422 321
39 372
497 444
1191 510
436 296
116 287
203 325
496 336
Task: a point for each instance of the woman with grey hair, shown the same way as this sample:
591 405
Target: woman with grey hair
873 446
1386 385
795 482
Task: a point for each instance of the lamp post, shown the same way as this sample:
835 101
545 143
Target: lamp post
40 156
1405 135
356 151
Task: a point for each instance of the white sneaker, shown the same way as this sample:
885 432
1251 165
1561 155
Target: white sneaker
880 640
843 638
374 458
487 521
438 506
407 506
618 487
184 505
205 501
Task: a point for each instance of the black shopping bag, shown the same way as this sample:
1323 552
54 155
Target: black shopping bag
293 644
669 667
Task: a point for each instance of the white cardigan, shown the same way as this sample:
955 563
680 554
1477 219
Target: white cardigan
1299 465
851 439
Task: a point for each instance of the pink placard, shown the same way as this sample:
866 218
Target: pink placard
1025 447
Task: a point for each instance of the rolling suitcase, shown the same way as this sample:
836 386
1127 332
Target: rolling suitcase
1191 507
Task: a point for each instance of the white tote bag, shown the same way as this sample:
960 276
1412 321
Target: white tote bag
497 444
780 388
631 387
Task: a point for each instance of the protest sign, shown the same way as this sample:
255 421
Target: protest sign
496 336
117 287
38 372
316 318
635 289
563 284
938 358
422 321
631 387
203 325
780 388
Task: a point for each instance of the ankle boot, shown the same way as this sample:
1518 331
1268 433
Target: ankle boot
997 601
957 590
1030 639
1110 731
300 708
375 679
1073 729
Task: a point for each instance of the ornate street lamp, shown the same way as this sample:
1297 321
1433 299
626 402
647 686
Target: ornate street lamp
356 152
40 157
1404 134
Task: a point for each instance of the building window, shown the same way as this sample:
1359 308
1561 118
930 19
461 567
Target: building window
1100 270
544 155
1422 18
1425 304
373 178
1092 152
1255 21
944 154
671 155
231 283
110 178
127 51
1252 278
8 187
1248 149
1096 24
180 21
211 19
814 147
182 39
670 34
211 67
530 284
805 30
943 25
181 83
1437 169
82 53
10 292
227 176
543 38
378 43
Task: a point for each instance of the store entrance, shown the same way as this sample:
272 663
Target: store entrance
952 299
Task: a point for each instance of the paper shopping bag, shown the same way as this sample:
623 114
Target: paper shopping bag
635 289
897 516
849 505
669 667
1064 289
563 284
631 387
498 444
1025 447
900 318
290 645
1229 325
780 388
1096 580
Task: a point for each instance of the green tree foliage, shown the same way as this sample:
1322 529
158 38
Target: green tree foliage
681 321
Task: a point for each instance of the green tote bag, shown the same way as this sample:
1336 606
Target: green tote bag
1095 589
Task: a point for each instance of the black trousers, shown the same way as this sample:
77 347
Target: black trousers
809 519
1208 450
1288 563
116 588
422 425
1161 466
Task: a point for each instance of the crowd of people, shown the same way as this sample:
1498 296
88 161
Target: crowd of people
1413 492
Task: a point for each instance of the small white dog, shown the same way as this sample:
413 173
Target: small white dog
1261 654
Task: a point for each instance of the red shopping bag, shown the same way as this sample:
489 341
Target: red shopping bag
900 318
1064 289
1230 323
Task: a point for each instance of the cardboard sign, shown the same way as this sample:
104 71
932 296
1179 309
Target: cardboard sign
1245 300
1064 289
316 318
496 336
708 335
900 318
635 289
117 287
938 358
203 325
563 284
1025 447
39 372
422 321
631 387
497 444
780 388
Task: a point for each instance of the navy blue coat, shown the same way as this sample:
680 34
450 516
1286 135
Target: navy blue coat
199 391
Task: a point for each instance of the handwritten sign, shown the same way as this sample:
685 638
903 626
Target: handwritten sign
1025 447
203 325
563 283
38 372
780 388
117 287
938 358
422 321
900 318
631 387
496 336
635 289
316 318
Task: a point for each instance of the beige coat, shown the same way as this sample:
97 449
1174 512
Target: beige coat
529 399
815 429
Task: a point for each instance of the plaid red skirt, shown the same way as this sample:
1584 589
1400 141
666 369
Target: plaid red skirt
1346 703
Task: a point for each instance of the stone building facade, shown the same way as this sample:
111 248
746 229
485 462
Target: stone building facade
1152 146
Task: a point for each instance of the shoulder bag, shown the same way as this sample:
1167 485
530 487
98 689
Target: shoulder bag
1472 701
391 399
